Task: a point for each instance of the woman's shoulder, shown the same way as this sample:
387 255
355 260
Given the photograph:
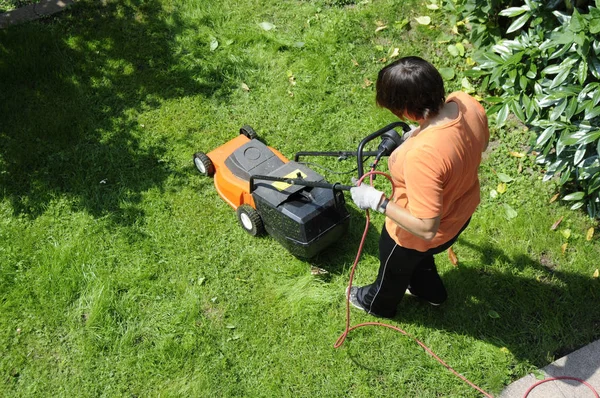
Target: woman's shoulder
465 101
461 96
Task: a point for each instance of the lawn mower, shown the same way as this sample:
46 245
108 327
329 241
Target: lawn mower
287 199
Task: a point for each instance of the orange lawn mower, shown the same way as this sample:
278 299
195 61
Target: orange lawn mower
287 199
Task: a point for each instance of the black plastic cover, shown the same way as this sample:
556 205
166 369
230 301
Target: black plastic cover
254 157
304 220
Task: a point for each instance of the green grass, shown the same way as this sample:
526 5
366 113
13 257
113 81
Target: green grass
122 273
10 5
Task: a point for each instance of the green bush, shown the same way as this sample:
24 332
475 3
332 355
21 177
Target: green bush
544 68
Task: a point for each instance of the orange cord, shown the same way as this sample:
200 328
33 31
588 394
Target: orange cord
349 328
588 385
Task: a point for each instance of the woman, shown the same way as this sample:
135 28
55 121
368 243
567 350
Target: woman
435 179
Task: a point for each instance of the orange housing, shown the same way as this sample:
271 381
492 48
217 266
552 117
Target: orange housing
234 190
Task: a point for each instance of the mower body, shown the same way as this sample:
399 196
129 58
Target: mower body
304 220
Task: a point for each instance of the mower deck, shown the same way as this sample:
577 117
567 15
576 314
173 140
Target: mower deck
303 219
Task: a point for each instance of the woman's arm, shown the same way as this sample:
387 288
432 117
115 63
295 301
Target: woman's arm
367 197
424 228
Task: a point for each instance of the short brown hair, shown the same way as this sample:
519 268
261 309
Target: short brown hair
411 86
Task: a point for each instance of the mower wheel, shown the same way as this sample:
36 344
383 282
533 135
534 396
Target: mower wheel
204 164
248 132
250 220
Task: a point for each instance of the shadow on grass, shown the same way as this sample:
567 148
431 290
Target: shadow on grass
338 257
71 90
538 319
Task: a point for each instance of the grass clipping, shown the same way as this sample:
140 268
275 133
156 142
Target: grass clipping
305 293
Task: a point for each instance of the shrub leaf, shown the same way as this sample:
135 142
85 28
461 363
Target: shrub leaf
518 23
574 196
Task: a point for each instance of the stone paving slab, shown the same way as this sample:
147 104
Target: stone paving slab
33 11
583 364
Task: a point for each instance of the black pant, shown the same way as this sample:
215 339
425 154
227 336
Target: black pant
400 268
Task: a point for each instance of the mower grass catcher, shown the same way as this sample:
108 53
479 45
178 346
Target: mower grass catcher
287 199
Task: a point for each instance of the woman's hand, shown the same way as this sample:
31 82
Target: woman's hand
367 197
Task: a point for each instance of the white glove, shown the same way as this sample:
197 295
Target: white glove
367 197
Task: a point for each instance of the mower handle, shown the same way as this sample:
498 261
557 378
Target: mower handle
298 181
372 136
339 154
360 153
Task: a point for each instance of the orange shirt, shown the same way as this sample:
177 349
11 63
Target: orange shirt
435 173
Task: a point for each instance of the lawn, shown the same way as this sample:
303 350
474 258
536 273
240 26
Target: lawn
122 273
